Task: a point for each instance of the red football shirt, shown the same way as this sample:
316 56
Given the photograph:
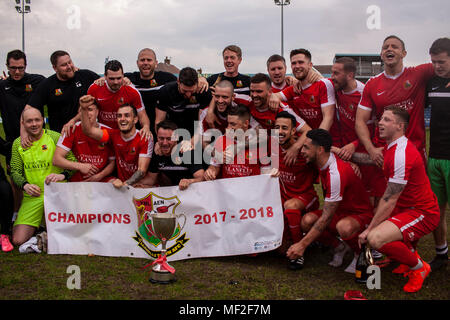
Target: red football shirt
86 150
308 105
296 179
246 163
345 115
403 164
407 90
276 88
109 102
221 126
340 183
127 151
266 118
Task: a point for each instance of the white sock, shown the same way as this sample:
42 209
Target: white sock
418 266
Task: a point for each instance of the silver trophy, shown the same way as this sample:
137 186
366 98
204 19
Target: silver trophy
163 225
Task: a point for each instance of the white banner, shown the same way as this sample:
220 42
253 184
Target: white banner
215 218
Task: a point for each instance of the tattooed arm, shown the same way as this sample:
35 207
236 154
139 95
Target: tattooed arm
362 158
297 250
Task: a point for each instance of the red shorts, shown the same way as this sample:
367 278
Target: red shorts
414 224
374 180
309 199
362 218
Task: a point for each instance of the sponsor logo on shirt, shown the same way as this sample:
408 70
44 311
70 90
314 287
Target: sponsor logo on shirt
58 92
407 85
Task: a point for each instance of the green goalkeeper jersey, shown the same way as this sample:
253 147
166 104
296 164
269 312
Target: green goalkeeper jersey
32 165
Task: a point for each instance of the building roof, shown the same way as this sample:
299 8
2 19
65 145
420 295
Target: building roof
167 67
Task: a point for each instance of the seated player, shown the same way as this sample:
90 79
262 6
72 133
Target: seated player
240 150
296 182
346 210
171 168
408 210
132 151
30 169
95 159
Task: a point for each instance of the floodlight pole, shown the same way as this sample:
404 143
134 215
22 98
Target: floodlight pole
282 3
21 9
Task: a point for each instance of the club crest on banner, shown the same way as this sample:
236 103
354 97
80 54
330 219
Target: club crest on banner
150 205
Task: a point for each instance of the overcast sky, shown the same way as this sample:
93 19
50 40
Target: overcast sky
193 32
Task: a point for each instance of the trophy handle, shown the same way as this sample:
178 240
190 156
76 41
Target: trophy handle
184 222
149 216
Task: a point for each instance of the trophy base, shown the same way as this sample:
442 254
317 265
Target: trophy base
162 277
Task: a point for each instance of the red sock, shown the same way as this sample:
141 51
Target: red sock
294 217
353 243
328 239
398 251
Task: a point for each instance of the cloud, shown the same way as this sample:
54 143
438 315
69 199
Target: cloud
193 32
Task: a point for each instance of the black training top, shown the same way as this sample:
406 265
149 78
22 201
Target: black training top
14 95
61 97
180 110
175 171
241 82
149 90
438 96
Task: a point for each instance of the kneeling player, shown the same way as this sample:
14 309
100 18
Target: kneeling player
346 210
408 209
296 182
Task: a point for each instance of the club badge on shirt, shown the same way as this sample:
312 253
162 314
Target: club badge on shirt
58 92
407 85
239 84
153 83
28 88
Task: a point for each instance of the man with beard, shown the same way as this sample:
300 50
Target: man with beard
149 81
167 167
276 68
348 94
61 91
346 210
397 85
132 151
316 103
180 101
296 183
258 104
113 94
